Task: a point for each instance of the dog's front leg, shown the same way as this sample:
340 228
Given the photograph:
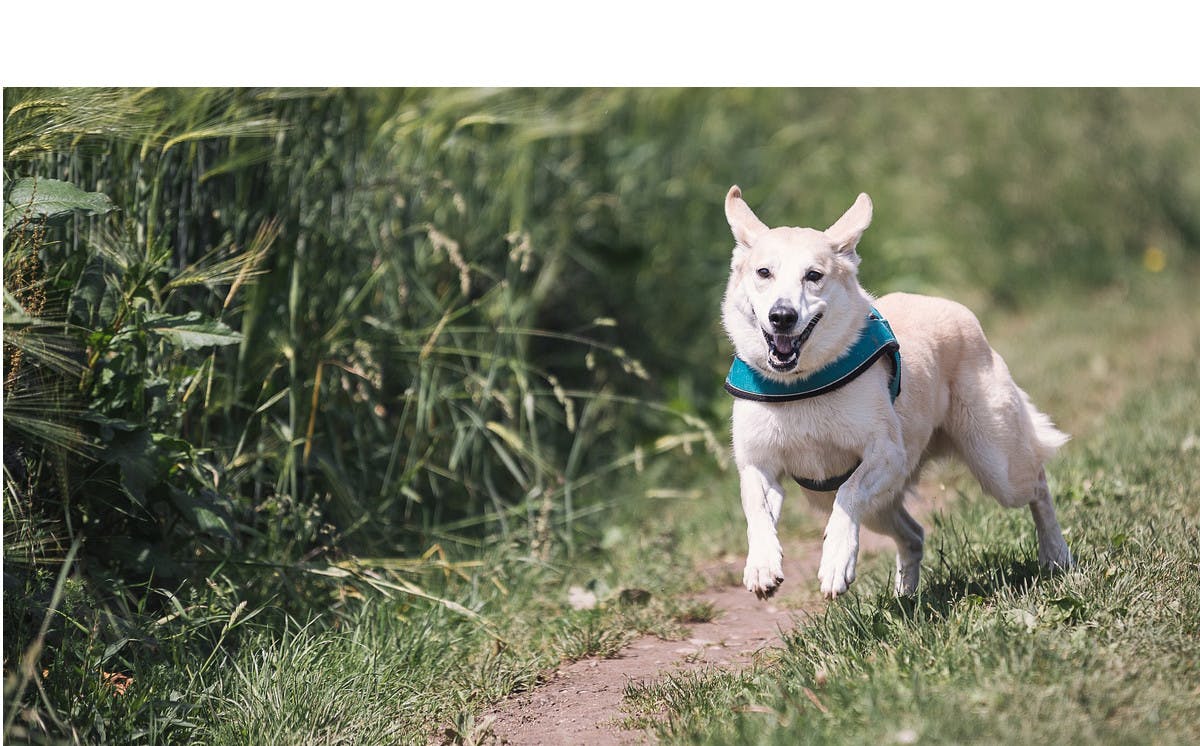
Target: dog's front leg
762 500
880 475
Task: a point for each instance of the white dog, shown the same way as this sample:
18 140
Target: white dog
825 398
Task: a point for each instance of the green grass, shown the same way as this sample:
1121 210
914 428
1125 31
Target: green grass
992 650
379 666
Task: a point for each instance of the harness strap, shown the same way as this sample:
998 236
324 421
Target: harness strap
876 340
826 485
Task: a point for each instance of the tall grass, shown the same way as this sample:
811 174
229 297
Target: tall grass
381 395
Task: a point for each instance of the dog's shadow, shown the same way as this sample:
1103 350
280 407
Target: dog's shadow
949 582
957 587
957 571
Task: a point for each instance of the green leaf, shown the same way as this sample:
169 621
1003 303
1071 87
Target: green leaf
49 198
136 456
205 509
191 331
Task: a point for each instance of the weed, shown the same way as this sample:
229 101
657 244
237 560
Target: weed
585 635
693 611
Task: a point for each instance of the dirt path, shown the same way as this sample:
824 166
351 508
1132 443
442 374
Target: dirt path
581 703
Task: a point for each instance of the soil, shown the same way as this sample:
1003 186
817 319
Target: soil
581 702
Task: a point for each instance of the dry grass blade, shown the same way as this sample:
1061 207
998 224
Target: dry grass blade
263 240
812 697
428 348
354 571
235 270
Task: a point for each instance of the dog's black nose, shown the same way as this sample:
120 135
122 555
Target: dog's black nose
783 316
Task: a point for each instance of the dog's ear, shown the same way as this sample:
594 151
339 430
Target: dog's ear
743 222
849 228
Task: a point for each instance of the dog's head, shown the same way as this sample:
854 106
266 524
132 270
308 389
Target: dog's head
793 303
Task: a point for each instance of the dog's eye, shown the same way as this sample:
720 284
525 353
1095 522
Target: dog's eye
813 276
764 272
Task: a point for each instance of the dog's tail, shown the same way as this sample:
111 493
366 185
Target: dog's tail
1047 438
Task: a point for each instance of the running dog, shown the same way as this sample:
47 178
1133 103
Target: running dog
850 396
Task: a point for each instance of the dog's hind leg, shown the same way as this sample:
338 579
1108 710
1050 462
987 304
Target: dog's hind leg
1053 553
1006 441
1015 478
909 536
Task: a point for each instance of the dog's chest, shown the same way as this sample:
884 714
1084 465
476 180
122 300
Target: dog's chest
816 437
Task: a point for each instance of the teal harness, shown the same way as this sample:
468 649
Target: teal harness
875 341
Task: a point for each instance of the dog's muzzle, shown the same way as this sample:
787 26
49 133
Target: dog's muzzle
784 349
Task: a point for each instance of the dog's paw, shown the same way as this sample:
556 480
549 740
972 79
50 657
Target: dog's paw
908 570
1055 557
839 554
908 577
763 574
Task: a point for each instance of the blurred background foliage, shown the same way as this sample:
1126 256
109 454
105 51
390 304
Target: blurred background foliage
246 330
372 318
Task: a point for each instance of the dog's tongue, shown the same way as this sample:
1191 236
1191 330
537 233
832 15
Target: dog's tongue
784 343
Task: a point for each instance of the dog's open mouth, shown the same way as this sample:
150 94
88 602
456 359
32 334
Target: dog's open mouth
784 349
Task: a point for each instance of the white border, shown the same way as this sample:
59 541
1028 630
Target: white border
616 42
